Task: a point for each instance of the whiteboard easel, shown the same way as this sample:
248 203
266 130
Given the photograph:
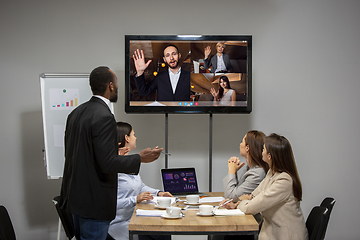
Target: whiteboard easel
60 94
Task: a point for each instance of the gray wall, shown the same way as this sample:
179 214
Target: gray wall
306 61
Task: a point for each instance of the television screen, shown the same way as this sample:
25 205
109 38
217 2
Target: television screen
188 73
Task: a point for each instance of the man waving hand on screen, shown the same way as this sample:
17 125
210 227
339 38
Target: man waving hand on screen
171 85
89 186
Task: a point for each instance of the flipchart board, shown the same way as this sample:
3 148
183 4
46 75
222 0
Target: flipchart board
60 94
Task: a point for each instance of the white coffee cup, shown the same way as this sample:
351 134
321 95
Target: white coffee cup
173 211
192 199
206 209
163 202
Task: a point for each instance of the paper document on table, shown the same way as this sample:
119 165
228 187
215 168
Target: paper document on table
150 213
211 199
228 212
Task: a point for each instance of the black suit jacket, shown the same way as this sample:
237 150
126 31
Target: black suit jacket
213 62
162 84
89 185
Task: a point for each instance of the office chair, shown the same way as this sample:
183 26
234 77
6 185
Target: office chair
66 219
329 203
316 222
6 228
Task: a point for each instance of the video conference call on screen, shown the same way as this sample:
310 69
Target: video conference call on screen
204 78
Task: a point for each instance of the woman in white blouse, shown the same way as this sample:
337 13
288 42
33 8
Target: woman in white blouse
225 95
278 196
131 190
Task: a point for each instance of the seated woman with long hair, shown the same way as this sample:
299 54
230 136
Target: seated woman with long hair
251 149
278 196
235 186
131 190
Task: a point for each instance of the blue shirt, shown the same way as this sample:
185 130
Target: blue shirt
129 187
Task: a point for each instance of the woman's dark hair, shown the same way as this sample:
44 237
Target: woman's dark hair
123 129
100 78
283 160
255 140
221 90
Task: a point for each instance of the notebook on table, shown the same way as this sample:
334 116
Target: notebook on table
180 181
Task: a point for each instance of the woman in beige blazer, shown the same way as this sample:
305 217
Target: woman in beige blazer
278 196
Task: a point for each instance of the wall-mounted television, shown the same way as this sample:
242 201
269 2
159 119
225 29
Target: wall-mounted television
188 73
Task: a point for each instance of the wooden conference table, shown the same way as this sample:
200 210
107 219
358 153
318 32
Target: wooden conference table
191 224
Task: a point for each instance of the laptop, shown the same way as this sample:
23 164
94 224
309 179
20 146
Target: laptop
180 181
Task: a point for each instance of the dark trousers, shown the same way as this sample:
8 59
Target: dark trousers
87 228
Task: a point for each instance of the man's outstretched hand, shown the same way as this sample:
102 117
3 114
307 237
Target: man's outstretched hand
150 154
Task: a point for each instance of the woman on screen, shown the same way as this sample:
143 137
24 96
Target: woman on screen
225 95
278 196
220 62
131 190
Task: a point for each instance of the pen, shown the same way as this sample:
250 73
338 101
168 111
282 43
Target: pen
226 202
166 153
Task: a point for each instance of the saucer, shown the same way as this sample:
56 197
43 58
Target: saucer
205 215
169 217
194 204
161 208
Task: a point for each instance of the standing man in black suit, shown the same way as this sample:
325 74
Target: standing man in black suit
89 185
171 85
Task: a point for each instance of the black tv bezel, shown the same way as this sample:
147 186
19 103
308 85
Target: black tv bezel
188 109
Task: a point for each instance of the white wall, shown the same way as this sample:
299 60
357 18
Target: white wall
306 62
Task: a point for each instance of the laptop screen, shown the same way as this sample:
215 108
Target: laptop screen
179 180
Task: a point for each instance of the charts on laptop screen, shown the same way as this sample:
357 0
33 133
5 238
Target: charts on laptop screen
181 180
